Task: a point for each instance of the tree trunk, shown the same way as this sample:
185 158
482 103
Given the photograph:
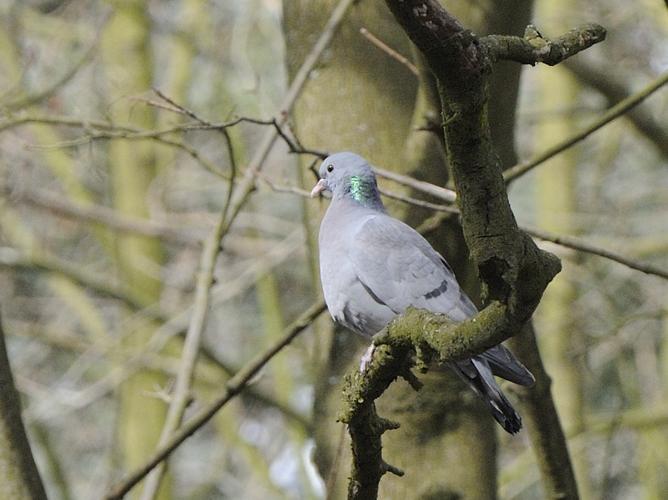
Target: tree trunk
20 479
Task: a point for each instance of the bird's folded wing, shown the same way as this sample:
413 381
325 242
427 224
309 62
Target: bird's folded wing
399 268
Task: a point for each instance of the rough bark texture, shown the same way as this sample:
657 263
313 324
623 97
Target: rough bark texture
19 478
445 417
513 270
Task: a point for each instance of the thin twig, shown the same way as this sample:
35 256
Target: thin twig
614 112
389 51
584 246
235 200
233 387
100 130
419 203
604 80
191 346
441 193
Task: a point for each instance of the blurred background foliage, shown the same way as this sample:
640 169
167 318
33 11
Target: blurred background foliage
101 231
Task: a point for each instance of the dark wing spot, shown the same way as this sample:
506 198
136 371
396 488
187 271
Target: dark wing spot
442 288
373 295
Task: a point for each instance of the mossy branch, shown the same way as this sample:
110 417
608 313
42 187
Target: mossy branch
513 270
534 48
418 337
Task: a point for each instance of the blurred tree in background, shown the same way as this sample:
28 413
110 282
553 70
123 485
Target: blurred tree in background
136 135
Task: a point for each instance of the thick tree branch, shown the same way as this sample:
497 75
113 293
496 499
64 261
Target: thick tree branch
534 48
501 251
432 338
513 270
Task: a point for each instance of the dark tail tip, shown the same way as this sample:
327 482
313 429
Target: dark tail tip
505 415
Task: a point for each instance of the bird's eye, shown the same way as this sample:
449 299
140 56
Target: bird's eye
330 167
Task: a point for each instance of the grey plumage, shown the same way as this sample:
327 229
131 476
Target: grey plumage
373 267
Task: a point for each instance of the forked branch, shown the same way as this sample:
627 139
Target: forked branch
513 270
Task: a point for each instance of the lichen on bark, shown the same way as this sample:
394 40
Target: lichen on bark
513 270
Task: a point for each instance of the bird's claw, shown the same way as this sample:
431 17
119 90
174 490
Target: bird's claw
367 357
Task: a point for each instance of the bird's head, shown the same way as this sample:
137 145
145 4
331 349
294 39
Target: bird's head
346 174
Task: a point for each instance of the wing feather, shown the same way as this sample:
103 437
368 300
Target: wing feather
401 269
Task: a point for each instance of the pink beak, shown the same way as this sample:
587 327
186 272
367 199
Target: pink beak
318 188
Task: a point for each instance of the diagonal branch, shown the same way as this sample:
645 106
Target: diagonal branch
604 81
233 387
581 245
614 112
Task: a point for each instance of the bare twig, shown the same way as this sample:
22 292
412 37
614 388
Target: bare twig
584 246
233 387
441 193
100 130
614 112
419 203
389 51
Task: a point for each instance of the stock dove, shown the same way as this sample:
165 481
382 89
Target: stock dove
373 267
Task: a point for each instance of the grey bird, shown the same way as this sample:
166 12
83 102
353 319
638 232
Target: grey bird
373 267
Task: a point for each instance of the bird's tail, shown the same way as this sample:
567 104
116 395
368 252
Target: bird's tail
477 373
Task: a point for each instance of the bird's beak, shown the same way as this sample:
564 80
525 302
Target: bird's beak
318 188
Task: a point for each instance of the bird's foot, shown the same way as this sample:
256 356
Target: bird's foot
367 357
